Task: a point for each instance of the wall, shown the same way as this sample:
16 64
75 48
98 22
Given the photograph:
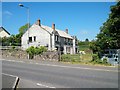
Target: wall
42 37
21 54
4 34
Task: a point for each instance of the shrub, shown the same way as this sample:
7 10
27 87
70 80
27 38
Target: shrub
105 61
31 52
96 59
35 51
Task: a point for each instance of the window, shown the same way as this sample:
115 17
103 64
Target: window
30 39
66 39
34 38
56 38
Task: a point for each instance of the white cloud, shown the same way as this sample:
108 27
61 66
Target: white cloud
7 13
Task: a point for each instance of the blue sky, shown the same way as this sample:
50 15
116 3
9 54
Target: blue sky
82 19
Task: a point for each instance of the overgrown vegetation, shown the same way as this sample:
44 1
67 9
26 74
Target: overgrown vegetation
97 60
70 58
32 51
86 59
83 45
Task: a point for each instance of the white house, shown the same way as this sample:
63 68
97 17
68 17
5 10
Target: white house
4 33
52 38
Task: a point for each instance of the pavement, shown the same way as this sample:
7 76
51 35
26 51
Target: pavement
46 74
9 81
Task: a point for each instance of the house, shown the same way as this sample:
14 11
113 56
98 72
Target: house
112 55
4 33
52 38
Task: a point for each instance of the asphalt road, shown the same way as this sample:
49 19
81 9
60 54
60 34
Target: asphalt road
57 75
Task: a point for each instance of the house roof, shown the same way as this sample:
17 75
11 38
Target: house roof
3 29
60 32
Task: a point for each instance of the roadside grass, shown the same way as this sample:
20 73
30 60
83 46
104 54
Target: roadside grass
76 58
83 59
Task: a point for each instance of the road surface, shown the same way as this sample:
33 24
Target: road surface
42 74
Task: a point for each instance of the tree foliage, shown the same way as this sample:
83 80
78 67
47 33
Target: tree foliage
109 36
23 28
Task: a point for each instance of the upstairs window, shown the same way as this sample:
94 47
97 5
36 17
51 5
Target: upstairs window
56 38
30 39
66 40
34 38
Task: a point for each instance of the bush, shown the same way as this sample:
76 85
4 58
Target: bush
96 59
35 51
105 61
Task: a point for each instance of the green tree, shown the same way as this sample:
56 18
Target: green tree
86 40
109 36
23 29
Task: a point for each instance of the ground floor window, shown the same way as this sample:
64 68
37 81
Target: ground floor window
30 39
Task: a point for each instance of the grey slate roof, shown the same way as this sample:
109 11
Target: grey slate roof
60 32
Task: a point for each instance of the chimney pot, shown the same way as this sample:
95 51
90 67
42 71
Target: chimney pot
67 31
38 22
53 26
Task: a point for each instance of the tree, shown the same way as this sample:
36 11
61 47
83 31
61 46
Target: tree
86 40
23 29
109 36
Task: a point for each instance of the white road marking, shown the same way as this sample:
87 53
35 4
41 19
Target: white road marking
16 78
44 85
78 67
53 65
9 75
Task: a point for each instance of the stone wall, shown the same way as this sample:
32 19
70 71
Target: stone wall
54 56
14 54
21 54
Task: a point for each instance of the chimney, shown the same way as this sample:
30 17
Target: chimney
67 31
53 26
38 22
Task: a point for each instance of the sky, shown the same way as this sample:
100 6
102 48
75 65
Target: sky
82 19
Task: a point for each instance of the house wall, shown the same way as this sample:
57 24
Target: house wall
68 49
4 34
42 37
75 47
74 51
